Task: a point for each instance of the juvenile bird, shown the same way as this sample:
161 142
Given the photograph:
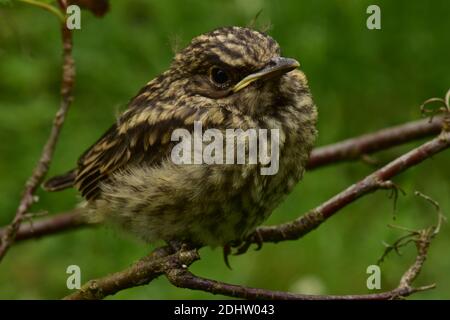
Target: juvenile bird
229 78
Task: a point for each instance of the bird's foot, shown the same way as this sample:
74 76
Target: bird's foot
242 246
253 238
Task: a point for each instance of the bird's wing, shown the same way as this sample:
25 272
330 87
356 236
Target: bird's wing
132 140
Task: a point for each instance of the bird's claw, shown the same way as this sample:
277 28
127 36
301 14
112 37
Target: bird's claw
242 246
226 254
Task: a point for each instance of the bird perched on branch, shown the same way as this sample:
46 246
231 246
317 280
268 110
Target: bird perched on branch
229 78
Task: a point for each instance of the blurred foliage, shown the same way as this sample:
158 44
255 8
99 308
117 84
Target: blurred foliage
362 80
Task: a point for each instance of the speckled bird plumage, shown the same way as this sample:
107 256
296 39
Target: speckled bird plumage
128 177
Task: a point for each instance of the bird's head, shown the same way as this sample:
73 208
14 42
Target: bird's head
234 67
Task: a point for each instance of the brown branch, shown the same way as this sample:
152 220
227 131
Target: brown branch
356 148
183 278
321 156
174 266
50 225
39 172
377 180
140 273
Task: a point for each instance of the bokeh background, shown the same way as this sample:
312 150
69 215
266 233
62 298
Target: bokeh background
362 80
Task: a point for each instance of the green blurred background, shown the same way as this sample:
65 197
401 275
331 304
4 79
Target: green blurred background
362 80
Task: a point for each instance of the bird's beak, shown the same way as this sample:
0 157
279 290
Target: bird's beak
276 67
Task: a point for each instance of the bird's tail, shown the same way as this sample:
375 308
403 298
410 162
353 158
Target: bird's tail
60 182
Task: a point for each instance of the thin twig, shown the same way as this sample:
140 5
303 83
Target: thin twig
39 172
356 148
183 278
48 7
32 229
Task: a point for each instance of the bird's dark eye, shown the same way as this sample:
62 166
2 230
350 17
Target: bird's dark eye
219 76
